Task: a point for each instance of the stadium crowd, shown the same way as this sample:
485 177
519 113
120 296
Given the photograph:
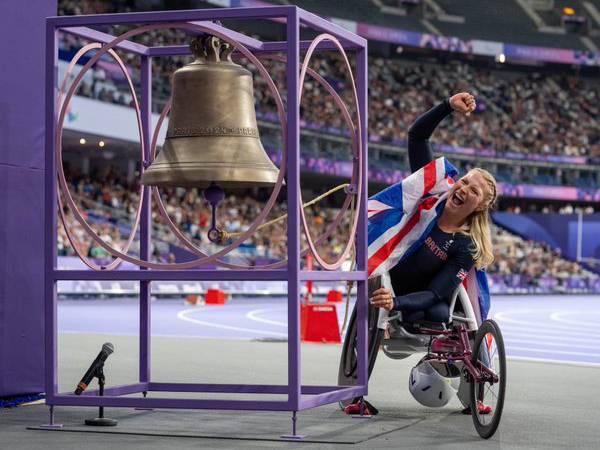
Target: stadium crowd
531 259
527 112
517 111
111 207
111 211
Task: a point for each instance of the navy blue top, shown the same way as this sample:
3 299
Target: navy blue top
434 271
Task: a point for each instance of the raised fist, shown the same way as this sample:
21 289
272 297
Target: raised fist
463 102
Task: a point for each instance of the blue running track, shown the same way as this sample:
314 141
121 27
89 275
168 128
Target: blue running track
546 328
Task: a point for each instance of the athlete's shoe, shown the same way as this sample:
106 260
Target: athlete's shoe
355 408
481 409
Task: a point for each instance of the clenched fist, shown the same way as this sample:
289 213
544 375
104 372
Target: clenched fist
463 102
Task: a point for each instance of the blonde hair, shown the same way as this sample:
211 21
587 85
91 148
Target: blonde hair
477 225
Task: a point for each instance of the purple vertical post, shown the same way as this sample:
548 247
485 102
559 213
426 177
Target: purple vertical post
50 212
293 201
361 238
145 220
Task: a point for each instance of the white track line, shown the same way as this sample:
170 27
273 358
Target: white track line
554 361
182 315
563 337
543 350
502 317
252 315
558 317
159 335
509 339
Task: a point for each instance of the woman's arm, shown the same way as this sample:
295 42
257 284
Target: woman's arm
452 274
439 289
419 149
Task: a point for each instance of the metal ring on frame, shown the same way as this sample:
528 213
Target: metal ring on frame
69 199
60 171
357 147
185 239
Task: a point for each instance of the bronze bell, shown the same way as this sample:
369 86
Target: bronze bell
212 135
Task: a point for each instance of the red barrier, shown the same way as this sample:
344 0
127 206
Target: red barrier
319 323
215 297
334 296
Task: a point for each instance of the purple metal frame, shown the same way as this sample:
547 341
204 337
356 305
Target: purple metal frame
299 397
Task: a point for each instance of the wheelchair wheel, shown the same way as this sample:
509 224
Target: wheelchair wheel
488 351
348 369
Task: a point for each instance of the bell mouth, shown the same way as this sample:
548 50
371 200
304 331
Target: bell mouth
196 162
202 178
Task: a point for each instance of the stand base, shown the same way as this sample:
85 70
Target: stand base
101 422
52 426
293 437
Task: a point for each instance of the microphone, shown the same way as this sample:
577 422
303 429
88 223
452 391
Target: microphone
107 349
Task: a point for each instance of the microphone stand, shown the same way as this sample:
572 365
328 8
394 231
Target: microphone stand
101 421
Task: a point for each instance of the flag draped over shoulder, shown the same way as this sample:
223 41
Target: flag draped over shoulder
401 217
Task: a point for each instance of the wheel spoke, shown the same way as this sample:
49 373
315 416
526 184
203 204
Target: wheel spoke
489 389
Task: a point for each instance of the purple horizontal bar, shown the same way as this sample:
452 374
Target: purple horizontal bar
331 397
172 16
326 45
105 38
221 388
237 388
170 50
174 403
326 26
124 389
333 275
248 41
167 275
314 390
267 47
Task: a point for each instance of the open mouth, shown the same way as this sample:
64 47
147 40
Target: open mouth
457 199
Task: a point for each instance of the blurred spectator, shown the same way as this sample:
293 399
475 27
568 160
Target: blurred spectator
110 207
519 112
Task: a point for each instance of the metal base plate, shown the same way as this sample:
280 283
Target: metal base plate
101 422
52 426
293 437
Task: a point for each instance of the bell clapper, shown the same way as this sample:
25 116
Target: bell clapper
213 195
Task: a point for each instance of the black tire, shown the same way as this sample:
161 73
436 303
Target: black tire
494 358
347 373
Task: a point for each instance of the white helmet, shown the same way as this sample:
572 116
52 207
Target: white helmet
428 387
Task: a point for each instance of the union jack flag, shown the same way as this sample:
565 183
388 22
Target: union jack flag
401 216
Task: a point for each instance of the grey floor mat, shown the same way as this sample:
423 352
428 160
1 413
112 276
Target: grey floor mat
316 426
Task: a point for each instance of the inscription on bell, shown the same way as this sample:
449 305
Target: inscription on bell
212 131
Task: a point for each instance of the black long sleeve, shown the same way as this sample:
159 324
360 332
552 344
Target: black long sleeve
433 272
415 301
441 287
419 148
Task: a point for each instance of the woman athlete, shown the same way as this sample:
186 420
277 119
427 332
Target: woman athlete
425 281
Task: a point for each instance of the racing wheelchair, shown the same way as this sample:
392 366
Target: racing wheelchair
471 355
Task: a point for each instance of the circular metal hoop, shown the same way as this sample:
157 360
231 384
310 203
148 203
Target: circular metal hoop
62 182
357 150
59 166
186 241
